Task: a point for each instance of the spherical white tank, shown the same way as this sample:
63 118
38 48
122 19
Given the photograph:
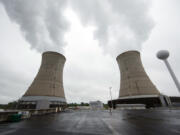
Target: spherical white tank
163 54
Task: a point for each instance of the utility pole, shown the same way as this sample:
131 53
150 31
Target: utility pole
111 100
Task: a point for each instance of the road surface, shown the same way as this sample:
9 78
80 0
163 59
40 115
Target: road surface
132 122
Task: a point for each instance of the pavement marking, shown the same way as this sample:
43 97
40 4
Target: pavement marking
114 132
80 122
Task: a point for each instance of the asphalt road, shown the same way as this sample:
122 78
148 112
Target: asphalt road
132 122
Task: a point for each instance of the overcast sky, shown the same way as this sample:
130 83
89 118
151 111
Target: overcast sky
90 33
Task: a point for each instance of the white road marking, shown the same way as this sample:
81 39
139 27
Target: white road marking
114 132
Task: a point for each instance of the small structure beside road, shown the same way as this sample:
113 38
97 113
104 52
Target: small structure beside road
17 115
96 105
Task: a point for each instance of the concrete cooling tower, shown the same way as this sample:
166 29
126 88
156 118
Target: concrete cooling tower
134 80
135 85
46 91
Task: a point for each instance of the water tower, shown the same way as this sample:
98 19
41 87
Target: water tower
163 55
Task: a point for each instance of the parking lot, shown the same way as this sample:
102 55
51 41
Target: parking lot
125 122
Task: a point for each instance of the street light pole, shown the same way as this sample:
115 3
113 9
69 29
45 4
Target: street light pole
111 99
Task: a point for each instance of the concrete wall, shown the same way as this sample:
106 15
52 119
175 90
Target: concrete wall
4 116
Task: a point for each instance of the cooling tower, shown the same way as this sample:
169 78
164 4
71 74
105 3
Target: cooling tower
46 91
136 89
134 80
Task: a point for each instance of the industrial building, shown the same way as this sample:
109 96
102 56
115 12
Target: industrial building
96 105
135 85
46 91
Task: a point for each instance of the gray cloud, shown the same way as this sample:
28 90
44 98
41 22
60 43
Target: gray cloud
11 85
41 21
92 80
121 25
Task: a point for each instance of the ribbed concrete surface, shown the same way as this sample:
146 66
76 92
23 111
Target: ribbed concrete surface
134 80
49 80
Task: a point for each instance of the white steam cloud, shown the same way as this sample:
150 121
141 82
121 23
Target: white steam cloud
121 25
41 21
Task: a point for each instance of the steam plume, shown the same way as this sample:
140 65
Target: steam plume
41 22
121 25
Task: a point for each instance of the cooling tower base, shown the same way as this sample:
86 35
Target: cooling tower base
150 101
41 102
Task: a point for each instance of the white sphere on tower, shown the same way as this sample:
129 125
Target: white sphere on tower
163 54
